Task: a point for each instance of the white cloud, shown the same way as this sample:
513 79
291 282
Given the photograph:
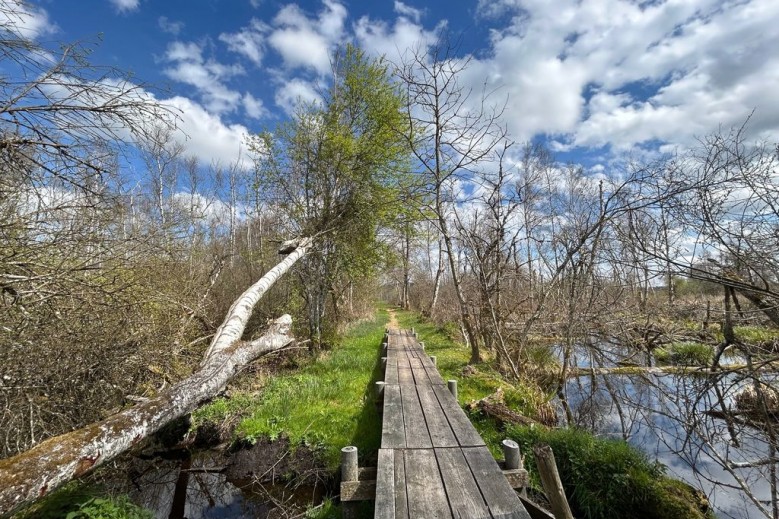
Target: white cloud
407 11
249 41
207 76
381 39
205 136
596 72
253 107
170 26
25 20
294 91
304 42
125 6
255 3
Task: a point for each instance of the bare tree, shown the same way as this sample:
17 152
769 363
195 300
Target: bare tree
450 132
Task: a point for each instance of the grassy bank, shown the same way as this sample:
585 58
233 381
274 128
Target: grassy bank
326 404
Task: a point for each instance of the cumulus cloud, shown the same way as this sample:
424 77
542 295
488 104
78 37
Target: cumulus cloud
305 42
407 11
598 72
187 65
295 91
392 41
125 6
249 41
26 20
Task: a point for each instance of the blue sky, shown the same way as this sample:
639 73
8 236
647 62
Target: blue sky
594 78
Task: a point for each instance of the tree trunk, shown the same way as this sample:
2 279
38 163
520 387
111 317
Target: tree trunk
40 470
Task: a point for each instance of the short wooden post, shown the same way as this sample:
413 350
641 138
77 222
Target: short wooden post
384 363
349 470
452 385
511 455
379 390
422 345
434 359
384 349
412 331
550 479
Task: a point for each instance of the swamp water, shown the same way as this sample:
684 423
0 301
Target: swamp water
665 416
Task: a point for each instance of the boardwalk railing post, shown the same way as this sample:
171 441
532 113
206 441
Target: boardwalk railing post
452 385
422 345
384 363
434 359
379 395
349 470
384 349
511 455
550 480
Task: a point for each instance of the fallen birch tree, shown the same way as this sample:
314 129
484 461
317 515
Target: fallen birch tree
37 472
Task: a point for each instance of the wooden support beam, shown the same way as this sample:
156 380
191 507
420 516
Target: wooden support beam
550 479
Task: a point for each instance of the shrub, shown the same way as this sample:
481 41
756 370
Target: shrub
609 478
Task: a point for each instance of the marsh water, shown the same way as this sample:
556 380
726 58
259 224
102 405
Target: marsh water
666 416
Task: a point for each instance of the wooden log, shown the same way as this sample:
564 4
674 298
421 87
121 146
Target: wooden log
37 472
550 479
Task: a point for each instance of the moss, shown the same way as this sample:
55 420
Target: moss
685 354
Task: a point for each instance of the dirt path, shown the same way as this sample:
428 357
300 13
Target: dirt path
393 323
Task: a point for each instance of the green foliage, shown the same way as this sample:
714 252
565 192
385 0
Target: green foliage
756 334
327 510
76 501
609 478
327 404
685 354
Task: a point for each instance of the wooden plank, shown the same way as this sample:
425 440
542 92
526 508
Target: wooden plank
391 371
497 492
385 485
401 501
463 429
358 490
405 375
393 433
419 372
441 434
463 493
433 375
417 436
425 489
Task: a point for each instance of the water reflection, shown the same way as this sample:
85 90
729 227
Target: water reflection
666 416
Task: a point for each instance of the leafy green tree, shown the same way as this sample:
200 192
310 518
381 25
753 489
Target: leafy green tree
335 170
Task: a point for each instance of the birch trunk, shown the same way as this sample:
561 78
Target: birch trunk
40 470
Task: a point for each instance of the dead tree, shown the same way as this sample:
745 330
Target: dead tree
40 470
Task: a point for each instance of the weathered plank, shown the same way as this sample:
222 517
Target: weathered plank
391 370
419 372
424 487
441 434
405 376
463 429
393 432
503 501
385 485
417 435
463 493
401 501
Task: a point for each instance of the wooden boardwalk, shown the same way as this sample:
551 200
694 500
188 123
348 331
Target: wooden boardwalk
432 462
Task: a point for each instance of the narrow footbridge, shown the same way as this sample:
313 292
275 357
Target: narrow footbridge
432 462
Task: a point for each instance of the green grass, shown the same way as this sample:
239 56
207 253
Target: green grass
78 501
685 354
756 334
609 478
327 404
